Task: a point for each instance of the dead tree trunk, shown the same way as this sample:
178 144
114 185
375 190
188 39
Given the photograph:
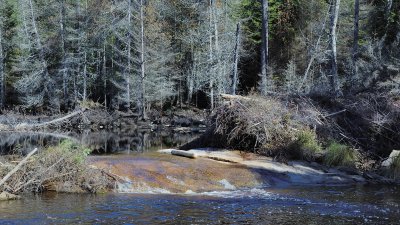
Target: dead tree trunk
211 59
64 55
234 78
104 72
41 55
2 75
356 35
264 47
142 63
84 76
334 79
129 68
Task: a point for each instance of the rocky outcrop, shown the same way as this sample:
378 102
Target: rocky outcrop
388 162
5 196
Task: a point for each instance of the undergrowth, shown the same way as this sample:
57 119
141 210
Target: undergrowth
340 155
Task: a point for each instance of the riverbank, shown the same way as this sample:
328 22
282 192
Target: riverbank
352 133
94 117
173 171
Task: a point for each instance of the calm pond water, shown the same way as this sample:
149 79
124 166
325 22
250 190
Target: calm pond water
294 205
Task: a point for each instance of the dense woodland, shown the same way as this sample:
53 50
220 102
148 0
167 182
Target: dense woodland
138 55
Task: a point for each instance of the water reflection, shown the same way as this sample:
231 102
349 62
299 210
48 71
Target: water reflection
102 142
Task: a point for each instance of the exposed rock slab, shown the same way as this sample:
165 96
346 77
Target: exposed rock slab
295 172
388 162
5 196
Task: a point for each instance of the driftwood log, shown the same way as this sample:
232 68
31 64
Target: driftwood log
20 164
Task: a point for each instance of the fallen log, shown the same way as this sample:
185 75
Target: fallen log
184 154
39 125
234 97
5 178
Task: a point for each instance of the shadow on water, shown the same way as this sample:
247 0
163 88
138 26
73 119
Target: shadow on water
102 142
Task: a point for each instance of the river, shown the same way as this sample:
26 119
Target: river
261 205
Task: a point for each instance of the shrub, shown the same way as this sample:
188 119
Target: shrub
306 145
70 150
340 155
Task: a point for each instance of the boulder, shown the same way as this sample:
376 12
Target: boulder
5 196
388 162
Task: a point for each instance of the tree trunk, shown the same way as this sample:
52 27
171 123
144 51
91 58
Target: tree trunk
234 78
388 8
142 63
2 75
104 71
129 69
211 58
63 49
356 35
84 77
264 47
334 79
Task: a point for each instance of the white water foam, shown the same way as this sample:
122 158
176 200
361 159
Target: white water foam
246 193
139 188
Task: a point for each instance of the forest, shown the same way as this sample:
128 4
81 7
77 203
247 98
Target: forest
141 55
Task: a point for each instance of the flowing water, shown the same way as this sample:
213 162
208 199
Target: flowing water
209 193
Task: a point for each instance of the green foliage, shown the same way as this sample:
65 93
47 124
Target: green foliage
384 23
70 150
340 155
282 18
307 144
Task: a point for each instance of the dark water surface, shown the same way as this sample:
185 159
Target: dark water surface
295 205
335 205
101 142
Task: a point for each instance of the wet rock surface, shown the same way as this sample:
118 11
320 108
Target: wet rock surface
175 171
161 173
